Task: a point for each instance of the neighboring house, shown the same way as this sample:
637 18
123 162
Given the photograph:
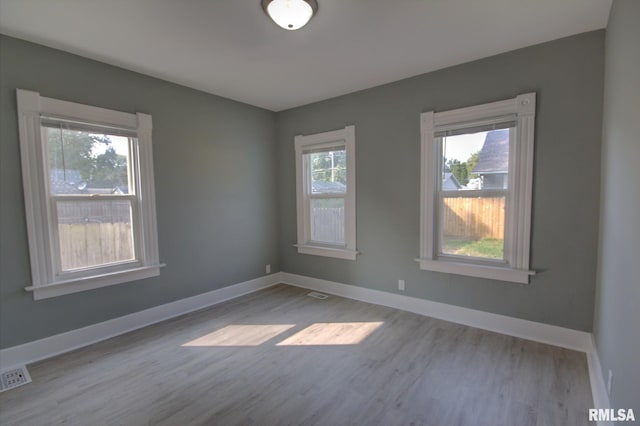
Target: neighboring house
450 182
67 182
70 181
323 186
475 183
493 162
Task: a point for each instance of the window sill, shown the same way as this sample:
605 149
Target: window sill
90 283
339 253
478 271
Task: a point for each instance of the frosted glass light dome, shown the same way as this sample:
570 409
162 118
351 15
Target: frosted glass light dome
290 14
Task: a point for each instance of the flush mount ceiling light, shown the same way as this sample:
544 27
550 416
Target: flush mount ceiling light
290 14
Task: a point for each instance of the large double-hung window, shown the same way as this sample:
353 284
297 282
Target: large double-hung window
477 173
89 195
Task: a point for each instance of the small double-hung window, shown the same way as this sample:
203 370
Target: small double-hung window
89 195
326 193
477 172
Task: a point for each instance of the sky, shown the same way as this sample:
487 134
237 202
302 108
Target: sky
119 143
462 146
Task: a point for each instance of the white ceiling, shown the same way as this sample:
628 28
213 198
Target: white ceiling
232 49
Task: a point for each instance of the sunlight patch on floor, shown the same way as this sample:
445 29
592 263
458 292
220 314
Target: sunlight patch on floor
332 333
241 335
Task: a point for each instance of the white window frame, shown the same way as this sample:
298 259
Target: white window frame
47 279
515 268
344 137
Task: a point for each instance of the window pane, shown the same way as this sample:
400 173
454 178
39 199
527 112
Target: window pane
327 220
94 233
85 162
328 171
476 160
473 226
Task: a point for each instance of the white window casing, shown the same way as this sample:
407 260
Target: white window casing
521 112
339 139
48 280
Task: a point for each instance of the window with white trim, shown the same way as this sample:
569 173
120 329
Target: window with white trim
89 195
326 193
477 174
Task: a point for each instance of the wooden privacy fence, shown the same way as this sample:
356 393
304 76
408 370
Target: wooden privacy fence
94 233
93 211
480 217
327 225
90 244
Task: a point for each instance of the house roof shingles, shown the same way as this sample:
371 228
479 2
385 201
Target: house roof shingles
494 155
65 181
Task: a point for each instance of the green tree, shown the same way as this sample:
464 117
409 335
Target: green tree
75 150
70 150
110 169
463 171
329 166
471 164
459 170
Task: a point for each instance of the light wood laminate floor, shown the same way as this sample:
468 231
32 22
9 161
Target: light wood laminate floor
279 357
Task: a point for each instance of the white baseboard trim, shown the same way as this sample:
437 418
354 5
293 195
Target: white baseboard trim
544 333
598 387
64 342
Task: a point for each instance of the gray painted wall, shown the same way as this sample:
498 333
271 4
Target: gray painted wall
567 75
617 317
215 170
221 165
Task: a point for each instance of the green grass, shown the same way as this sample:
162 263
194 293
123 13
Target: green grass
491 248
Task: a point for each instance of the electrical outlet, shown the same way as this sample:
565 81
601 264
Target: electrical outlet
609 382
267 269
401 285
